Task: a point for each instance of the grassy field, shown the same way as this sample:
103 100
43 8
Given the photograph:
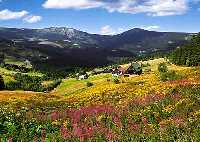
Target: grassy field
137 108
8 74
73 86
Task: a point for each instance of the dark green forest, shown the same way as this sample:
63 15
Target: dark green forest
188 55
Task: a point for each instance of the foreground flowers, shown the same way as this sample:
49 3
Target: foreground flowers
140 108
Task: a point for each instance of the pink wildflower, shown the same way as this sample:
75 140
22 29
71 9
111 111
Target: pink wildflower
10 139
54 116
65 132
43 133
178 121
145 121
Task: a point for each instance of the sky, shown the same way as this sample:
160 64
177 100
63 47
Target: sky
102 16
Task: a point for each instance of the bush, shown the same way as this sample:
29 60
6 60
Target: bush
108 79
53 85
162 67
146 65
139 72
116 81
89 84
12 85
169 76
30 83
1 83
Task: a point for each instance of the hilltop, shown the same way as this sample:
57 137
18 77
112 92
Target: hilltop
60 48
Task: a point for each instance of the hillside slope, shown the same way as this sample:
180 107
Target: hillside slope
61 47
139 108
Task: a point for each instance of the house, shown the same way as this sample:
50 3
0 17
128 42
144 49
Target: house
97 71
115 73
82 76
134 68
121 70
118 71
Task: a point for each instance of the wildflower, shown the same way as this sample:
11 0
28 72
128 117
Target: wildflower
54 116
10 139
145 121
178 121
41 116
29 115
117 121
110 135
135 127
162 125
76 130
35 139
43 133
56 123
65 132
176 96
169 108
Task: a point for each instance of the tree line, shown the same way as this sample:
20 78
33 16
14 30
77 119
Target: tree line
188 55
28 83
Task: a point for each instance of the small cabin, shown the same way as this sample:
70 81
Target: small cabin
135 68
82 76
118 71
97 71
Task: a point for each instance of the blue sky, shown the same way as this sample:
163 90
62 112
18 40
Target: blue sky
102 16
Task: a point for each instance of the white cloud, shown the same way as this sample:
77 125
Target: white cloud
32 19
151 28
77 4
150 7
121 30
107 30
8 15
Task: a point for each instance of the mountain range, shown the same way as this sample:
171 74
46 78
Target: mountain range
60 47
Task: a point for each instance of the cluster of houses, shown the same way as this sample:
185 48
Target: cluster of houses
133 68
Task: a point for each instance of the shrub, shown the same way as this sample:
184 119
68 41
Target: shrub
1 83
169 76
146 65
162 67
12 85
89 84
30 83
53 85
126 75
139 72
116 81
108 80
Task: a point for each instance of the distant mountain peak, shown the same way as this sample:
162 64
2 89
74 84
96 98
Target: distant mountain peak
138 29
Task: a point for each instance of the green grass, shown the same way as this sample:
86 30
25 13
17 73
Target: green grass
4 71
8 74
14 61
73 86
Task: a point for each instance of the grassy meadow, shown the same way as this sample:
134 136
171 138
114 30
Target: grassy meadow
151 107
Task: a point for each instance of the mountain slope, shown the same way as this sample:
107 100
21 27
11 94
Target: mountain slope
61 47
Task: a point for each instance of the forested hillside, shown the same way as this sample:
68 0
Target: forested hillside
188 55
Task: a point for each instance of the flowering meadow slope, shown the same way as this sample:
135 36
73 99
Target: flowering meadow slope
137 108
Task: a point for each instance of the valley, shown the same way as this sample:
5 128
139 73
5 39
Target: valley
51 91
62 48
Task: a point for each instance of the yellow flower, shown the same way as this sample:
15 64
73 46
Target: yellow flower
169 108
56 123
